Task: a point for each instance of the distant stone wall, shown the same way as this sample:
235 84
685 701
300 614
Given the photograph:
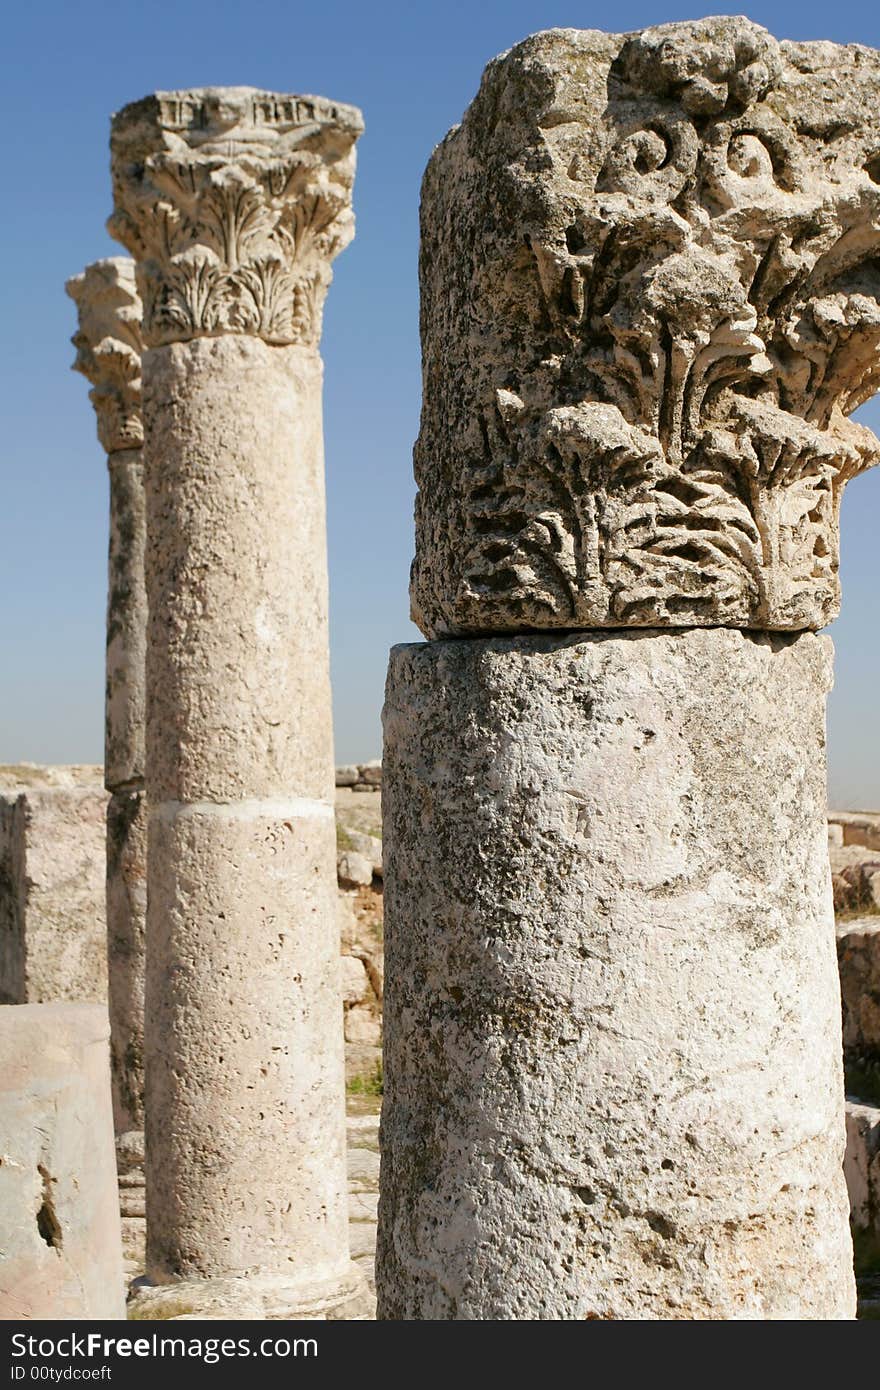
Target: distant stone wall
854 828
53 937
361 777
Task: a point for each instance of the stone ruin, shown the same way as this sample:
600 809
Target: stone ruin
650 281
612 1036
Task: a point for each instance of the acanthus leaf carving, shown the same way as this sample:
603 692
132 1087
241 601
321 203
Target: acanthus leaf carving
234 203
108 348
674 268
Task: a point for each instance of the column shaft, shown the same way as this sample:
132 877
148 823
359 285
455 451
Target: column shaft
108 344
612 1080
245 1133
613 1085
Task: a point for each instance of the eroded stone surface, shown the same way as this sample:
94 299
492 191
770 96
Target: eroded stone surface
858 953
108 344
650 301
613 1084
126 892
862 1169
238 680
52 921
233 202
108 348
62 1257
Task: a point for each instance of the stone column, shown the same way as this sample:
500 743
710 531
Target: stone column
62 1259
108 346
234 202
650 301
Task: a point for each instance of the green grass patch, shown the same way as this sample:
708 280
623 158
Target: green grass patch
343 839
368 1085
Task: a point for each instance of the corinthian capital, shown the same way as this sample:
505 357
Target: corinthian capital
108 348
233 203
650 302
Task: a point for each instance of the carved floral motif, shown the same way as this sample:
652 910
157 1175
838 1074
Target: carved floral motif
108 348
651 299
234 203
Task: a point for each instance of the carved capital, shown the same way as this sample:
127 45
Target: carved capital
233 202
108 348
650 300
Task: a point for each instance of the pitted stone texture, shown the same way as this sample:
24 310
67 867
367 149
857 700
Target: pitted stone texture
238 685
124 712
62 1255
245 1123
108 348
858 954
862 1169
234 203
108 344
650 299
612 1074
126 944
52 918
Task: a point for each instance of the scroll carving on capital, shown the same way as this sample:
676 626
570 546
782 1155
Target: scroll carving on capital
108 348
650 303
233 202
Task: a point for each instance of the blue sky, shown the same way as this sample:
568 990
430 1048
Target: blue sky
412 69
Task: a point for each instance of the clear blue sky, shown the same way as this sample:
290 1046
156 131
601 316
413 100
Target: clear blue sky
412 68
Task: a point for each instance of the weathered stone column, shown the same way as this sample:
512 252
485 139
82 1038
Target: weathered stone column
234 202
650 299
108 347
62 1259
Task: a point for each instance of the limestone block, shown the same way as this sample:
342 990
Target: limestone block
59 1217
354 982
650 301
347 775
858 958
362 1026
862 1168
369 847
353 869
52 913
373 958
835 835
612 1013
346 919
857 827
370 773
